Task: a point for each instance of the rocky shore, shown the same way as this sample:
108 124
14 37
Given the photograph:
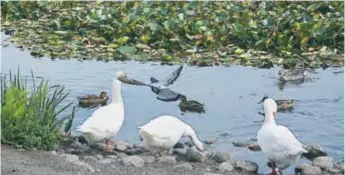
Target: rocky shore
125 158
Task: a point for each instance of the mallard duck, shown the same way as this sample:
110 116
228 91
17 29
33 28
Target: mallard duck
93 99
292 74
190 105
163 132
106 121
276 141
285 104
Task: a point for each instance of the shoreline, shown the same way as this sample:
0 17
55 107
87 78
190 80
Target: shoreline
77 158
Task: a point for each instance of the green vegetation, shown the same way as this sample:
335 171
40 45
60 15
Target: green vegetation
259 34
30 117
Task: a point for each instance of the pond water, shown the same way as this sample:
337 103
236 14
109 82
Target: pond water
230 96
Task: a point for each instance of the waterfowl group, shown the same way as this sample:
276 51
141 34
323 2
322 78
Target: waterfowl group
161 134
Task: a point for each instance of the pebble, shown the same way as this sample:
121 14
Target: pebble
70 157
323 162
314 151
89 168
219 156
246 166
135 151
212 174
105 161
210 141
254 147
122 147
90 158
122 155
112 157
194 155
54 153
167 159
225 166
149 159
184 166
311 170
133 160
98 170
340 165
241 143
99 156
178 145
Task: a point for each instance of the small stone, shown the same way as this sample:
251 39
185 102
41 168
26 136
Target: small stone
178 145
194 155
105 161
184 166
254 147
210 141
90 158
323 162
149 159
99 156
314 151
334 170
133 160
71 158
89 168
225 166
246 166
121 147
180 151
121 155
135 151
167 159
340 166
98 170
219 157
311 170
112 157
54 153
212 174
241 143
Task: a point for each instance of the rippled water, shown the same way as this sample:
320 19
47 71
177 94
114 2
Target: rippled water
230 95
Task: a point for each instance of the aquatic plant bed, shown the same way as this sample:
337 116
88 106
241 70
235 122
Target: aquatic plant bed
259 34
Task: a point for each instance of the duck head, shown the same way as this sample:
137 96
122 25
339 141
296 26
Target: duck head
270 108
103 95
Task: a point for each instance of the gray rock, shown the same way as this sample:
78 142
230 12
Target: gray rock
112 157
340 166
122 155
89 168
70 157
246 166
323 162
135 151
298 168
133 160
314 151
121 146
149 159
184 166
219 156
180 151
54 153
90 158
212 174
167 159
178 145
98 156
333 171
225 167
194 155
98 170
311 170
105 161
241 143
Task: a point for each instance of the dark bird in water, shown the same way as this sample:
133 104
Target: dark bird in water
294 74
282 105
190 105
93 100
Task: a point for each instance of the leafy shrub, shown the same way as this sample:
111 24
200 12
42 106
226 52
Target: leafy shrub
30 117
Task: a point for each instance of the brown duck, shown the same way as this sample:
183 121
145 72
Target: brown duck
93 99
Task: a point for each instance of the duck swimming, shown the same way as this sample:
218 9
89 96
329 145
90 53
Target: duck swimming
106 121
163 132
295 74
285 104
190 105
279 144
93 99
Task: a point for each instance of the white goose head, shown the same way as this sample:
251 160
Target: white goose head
189 132
270 108
119 76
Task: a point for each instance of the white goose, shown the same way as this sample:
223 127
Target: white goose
106 121
277 141
163 132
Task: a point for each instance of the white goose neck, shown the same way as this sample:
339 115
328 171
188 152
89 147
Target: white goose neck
189 132
117 98
269 118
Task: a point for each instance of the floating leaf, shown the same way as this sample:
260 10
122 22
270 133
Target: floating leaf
127 49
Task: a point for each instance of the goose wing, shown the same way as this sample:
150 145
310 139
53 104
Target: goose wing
173 76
